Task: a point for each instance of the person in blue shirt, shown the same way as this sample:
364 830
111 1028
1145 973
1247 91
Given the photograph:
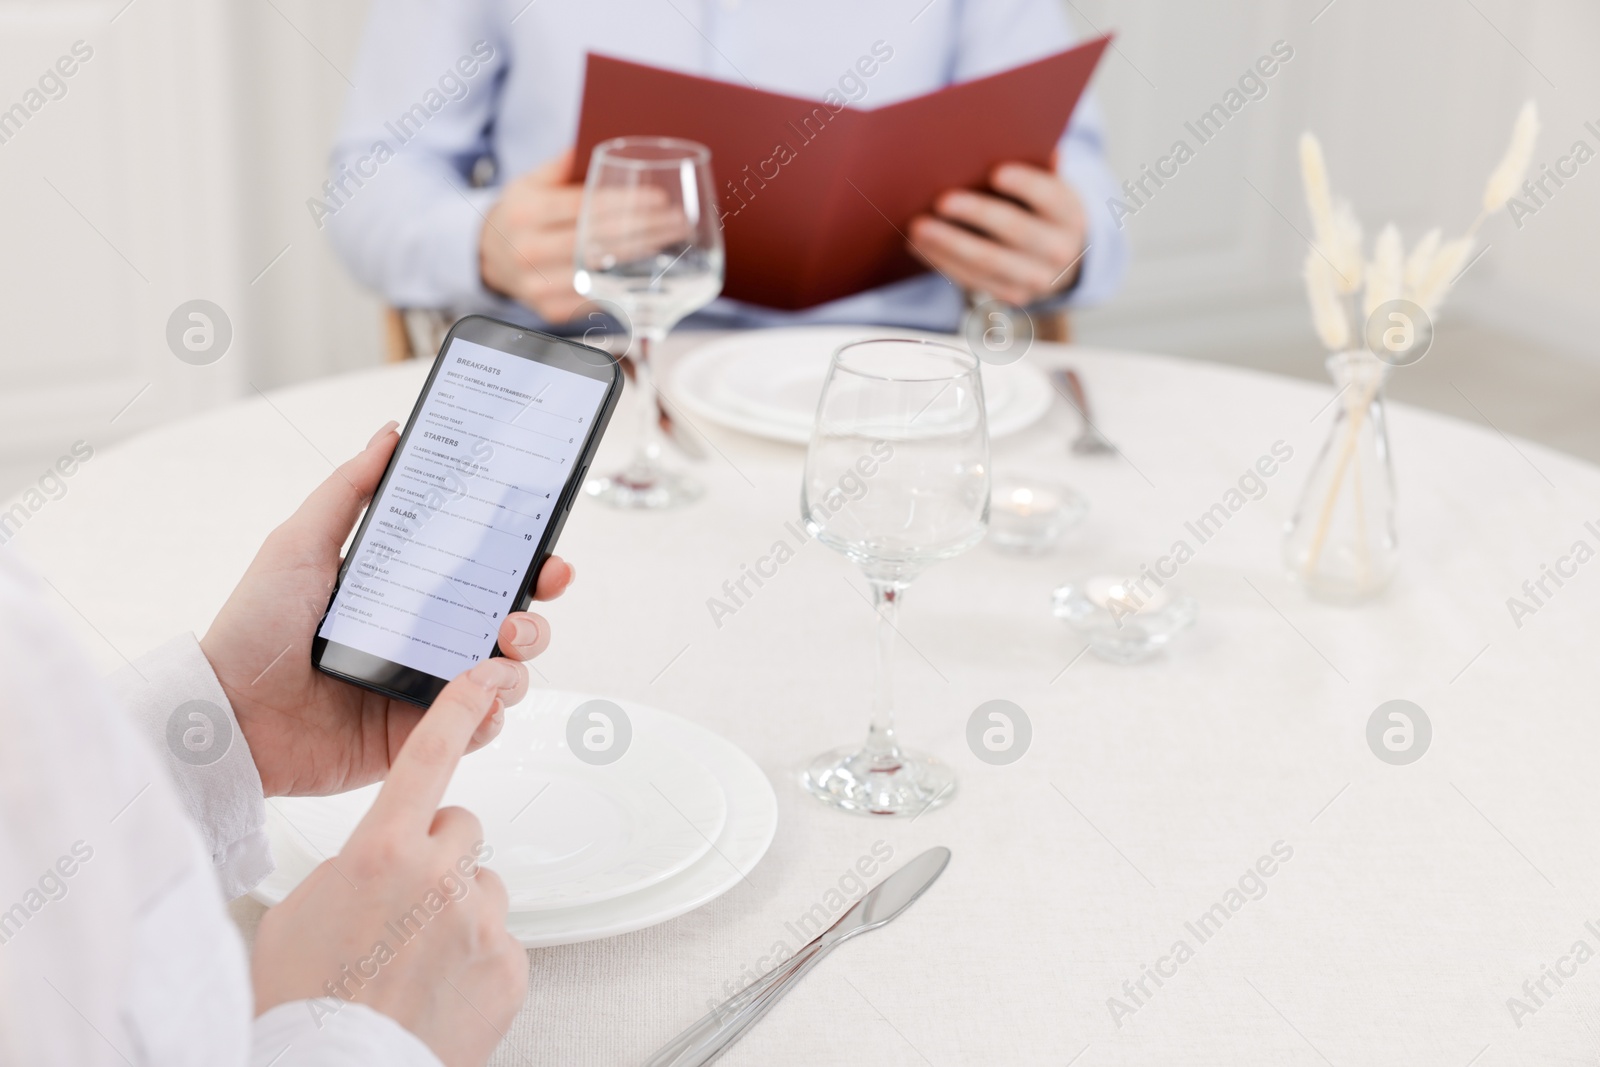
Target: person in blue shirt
447 93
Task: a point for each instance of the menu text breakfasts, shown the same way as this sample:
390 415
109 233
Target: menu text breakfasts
467 500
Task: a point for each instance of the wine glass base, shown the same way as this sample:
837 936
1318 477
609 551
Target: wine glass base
651 491
855 781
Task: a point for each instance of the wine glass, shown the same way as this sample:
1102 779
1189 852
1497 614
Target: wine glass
897 477
650 242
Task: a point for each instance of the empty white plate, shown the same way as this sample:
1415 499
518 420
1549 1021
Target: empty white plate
746 834
767 382
564 832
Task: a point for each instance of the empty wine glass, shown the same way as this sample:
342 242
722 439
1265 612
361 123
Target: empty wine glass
897 477
649 241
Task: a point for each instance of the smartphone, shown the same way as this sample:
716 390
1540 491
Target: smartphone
487 469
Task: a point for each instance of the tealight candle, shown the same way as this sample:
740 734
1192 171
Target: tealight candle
1124 620
1025 501
1122 597
1030 517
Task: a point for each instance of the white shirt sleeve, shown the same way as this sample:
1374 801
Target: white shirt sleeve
397 205
115 948
178 703
1000 34
325 1033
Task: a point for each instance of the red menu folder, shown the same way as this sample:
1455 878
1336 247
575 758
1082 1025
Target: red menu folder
816 202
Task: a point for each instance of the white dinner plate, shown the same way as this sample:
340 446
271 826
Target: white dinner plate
746 834
767 382
564 832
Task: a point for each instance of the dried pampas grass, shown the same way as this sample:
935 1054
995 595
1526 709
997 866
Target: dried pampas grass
1420 259
1314 173
1429 291
1335 271
1385 274
1327 310
1345 249
1513 165
1338 233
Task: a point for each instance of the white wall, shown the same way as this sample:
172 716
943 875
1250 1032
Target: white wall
307 315
119 204
1413 103
181 157
1545 285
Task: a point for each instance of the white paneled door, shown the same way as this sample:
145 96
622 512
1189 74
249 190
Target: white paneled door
118 204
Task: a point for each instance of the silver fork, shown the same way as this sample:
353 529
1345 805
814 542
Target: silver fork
1090 441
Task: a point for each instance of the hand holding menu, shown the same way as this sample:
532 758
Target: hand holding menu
816 202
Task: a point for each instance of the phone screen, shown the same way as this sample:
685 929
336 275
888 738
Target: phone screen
464 508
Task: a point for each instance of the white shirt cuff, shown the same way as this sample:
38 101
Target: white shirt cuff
1105 255
176 699
329 1032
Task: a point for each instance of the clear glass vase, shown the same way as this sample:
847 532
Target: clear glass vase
1341 542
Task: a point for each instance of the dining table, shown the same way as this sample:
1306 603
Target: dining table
1199 859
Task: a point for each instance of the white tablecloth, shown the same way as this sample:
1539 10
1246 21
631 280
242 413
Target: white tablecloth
1418 899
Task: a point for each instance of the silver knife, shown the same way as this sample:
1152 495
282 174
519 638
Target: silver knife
727 1022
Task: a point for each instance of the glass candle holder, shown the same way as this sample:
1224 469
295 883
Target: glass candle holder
1122 622
1029 517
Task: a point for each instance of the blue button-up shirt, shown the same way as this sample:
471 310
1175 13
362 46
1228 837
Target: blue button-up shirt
442 84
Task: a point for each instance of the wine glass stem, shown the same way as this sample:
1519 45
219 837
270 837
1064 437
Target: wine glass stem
881 743
647 453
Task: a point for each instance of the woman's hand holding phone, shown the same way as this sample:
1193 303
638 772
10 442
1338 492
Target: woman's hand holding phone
311 734
403 920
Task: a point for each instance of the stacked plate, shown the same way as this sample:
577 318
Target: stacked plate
768 382
585 851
